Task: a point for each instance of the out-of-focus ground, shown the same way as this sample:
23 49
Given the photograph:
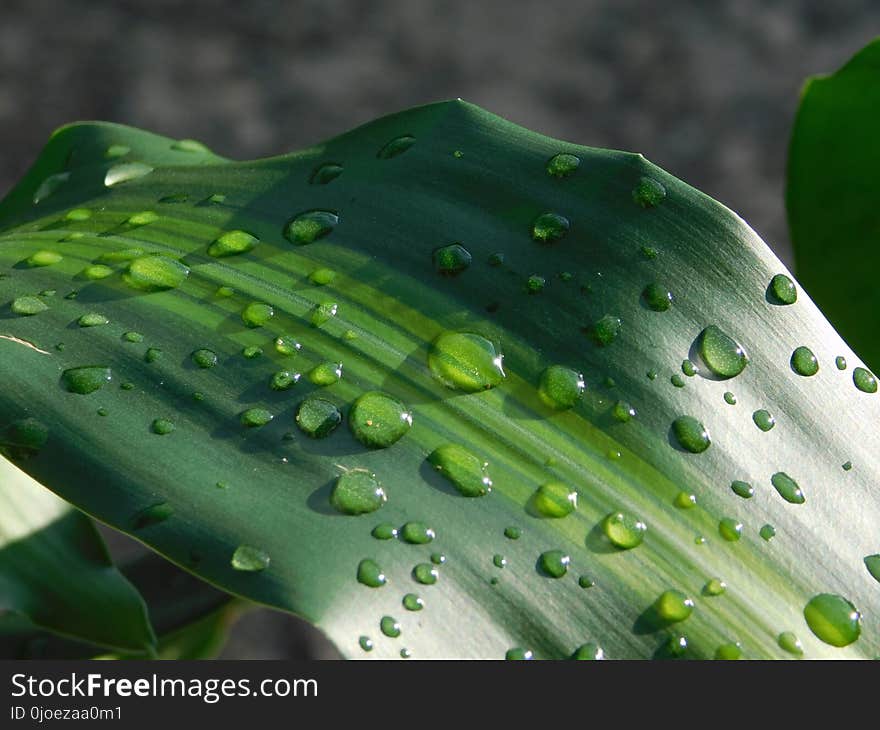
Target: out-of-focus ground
707 90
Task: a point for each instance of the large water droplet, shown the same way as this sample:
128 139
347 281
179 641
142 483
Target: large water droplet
257 314
787 487
155 273
465 470
250 559
804 362
554 499
549 227
673 606
554 563
85 380
28 306
624 530
562 165
723 355
782 290
44 258
125 171
308 227
864 380
317 417
730 529
232 243
425 573
370 574
465 361
691 434
763 420
378 420
833 619
357 492
561 387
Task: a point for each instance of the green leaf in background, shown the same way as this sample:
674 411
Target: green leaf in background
832 195
55 572
446 388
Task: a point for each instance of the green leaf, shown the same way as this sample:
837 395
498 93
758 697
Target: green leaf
226 450
832 197
55 572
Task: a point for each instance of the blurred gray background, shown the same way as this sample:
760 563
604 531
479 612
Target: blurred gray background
707 90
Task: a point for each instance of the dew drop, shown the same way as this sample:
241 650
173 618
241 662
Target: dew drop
512 533
43 258
624 530
190 145
452 259
685 500
85 380
416 533
326 373
742 489
412 602
384 531
872 563
317 417
728 652
561 387
691 434
155 273
370 574
232 243
322 277
688 368
283 380
326 173
92 319
782 290
204 358
250 559
605 330
125 171
357 492
465 361
833 619
623 411
499 561
50 185
519 654
96 272
152 515
377 420
789 643
78 214
323 313
152 354
143 218
554 499
804 362
763 420
723 355
554 563
657 297
287 345
677 381
133 337
117 150
28 306
308 227
767 532
562 165
714 587
467 472
162 426
396 146
425 573
648 192
730 398
255 417
840 362
673 606
257 314
365 643
549 227
864 380
730 529
788 488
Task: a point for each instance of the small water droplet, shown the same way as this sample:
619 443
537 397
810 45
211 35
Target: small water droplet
554 563
673 606
788 488
496 259
730 398
287 345
44 258
143 218
308 227
125 171
623 411
326 373
782 290
190 145
162 426
384 531
317 417
723 355
562 165
425 573
155 273
50 185
804 362
714 587
499 561
677 381
691 434
586 581
560 387
742 489
366 643
152 354
685 500
864 380
730 529
250 559
452 259
763 420
232 243
465 361
840 362
648 192
465 470
96 272
117 150
688 368
396 146
326 173
255 417
85 380
377 420
152 515
549 227
847 465
28 306
535 284
872 563
357 492
554 499
790 643
417 533
77 214
519 654
322 276
605 330
657 297
133 337
512 533
624 530
767 532
412 602
728 652
370 574
92 319
204 358
323 313
283 380
833 619
257 314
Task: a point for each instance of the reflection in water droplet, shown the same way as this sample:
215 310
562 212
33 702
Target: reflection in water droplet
624 530
250 559
782 290
465 470
357 492
804 362
377 420
465 361
788 488
833 619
